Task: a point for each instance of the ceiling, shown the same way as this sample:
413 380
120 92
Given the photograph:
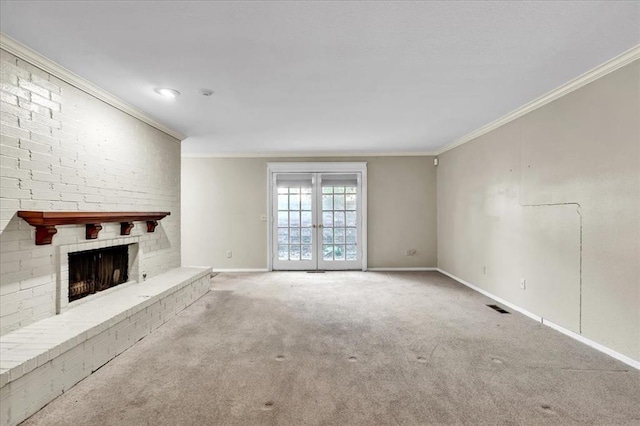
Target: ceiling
325 77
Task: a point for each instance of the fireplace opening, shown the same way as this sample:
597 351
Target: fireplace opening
92 271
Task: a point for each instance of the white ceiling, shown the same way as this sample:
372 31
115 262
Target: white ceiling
325 76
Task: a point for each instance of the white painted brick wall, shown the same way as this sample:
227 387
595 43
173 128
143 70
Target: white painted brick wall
62 149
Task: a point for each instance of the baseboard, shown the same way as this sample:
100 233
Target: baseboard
595 345
415 269
492 296
419 268
580 338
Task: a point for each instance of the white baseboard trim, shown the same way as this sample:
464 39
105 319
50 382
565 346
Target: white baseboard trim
240 270
492 296
580 338
419 268
595 345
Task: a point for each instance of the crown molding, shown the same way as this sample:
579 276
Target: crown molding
600 71
36 59
305 154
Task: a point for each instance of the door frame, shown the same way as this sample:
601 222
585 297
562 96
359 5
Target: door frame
316 167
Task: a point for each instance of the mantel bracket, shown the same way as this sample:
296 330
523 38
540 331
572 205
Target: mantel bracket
125 228
44 234
92 230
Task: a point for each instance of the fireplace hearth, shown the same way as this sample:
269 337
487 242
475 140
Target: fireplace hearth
92 271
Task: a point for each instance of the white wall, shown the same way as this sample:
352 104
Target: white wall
554 197
62 149
223 199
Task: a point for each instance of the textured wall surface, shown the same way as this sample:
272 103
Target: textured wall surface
224 198
62 149
554 198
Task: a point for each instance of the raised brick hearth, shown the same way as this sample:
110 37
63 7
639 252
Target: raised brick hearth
45 359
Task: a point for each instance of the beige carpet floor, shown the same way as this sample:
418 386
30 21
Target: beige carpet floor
351 348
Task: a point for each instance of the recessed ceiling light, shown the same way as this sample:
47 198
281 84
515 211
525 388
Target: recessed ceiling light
206 92
167 93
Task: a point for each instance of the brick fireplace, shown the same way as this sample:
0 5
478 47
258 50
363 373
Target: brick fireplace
66 298
67 151
93 271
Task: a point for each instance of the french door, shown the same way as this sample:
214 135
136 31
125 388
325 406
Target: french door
317 221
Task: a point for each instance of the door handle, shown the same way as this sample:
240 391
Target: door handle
313 226
321 226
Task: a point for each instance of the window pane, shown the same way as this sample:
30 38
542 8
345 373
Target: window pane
338 235
338 219
283 252
352 253
283 219
327 219
283 190
306 252
327 235
294 235
351 189
352 219
305 219
338 252
283 201
338 202
305 190
295 190
327 190
283 235
306 202
327 202
351 201
294 253
338 189
305 236
294 202
327 252
352 236
294 219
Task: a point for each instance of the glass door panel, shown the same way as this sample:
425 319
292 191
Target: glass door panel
340 224
294 234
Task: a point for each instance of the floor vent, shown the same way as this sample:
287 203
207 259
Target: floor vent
498 309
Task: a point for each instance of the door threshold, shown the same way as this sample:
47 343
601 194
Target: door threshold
316 272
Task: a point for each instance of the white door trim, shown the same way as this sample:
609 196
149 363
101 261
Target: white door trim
315 167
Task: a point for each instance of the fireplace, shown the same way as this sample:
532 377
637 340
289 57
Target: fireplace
92 271
69 295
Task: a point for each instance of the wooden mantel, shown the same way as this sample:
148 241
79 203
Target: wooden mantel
46 222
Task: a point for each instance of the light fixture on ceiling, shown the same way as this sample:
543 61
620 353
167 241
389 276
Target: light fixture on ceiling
206 92
167 93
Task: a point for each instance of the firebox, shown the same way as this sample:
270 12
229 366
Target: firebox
92 271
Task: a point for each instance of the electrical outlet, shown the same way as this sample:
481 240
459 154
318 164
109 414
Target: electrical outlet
229 254
411 252
263 218
523 283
